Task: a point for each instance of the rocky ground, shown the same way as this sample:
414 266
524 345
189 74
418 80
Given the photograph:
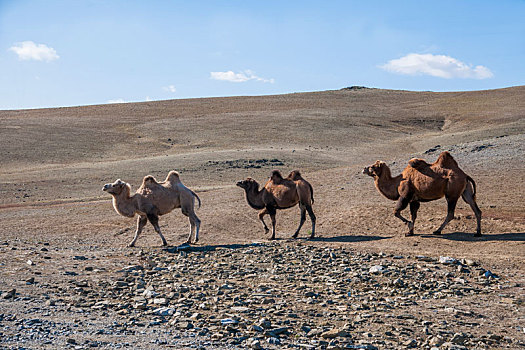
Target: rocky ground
283 294
67 279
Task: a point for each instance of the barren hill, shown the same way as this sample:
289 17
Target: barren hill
55 161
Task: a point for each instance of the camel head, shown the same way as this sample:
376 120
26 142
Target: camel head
248 184
115 188
375 169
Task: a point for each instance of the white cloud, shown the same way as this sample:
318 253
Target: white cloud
170 88
437 66
118 100
28 50
240 77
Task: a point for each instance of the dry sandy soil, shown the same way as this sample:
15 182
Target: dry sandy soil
53 213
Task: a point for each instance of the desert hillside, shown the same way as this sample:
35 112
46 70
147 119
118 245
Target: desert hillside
55 161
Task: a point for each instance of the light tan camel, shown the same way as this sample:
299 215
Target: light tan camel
153 199
280 193
423 182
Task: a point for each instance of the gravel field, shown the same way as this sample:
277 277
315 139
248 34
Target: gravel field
67 279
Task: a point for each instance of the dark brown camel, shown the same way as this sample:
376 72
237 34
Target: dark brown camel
423 182
280 193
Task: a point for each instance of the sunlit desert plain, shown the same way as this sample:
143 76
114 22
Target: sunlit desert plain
68 279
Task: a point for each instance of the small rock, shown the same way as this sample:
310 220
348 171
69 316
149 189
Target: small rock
255 344
411 343
334 333
436 341
164 311
9 294
459 338
446 260
226 321
376 269
257 328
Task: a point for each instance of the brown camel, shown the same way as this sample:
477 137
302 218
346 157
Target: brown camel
153 199
423 182
280 193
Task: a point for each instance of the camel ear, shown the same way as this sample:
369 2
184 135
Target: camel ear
119 182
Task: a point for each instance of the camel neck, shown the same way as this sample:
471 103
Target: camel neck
387 185
123 203
253 196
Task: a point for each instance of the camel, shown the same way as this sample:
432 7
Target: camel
280 193
153 199
423 182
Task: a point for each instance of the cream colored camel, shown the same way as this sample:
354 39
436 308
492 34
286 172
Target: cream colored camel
423 182
153 199
280 193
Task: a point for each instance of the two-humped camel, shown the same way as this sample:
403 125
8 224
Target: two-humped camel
153 199
280 193
423 182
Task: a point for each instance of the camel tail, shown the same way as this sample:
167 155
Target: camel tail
195 194
311 192
471 180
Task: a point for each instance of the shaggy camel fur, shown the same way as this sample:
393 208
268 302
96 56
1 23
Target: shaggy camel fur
280 193
423 182
153 199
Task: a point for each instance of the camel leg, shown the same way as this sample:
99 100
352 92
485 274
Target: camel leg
402 203
451 203
262 213
468 196
303 219
414 206
195 224
154 219
197 227
272 213
312 218
141 222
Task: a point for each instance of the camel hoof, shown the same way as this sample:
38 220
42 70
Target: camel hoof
436 233
477 235
312 236
409 234
295 236
131 245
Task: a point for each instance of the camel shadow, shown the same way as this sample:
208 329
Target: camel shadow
349 238
210 248
468 236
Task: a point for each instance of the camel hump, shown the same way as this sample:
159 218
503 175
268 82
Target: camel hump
295 175
445 160
276 177
173 176
417 163
149 179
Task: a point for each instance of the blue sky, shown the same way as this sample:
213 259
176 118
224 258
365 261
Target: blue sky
66 53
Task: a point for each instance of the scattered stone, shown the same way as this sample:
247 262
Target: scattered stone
9 294
334 333
447 260
164 311
376 269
